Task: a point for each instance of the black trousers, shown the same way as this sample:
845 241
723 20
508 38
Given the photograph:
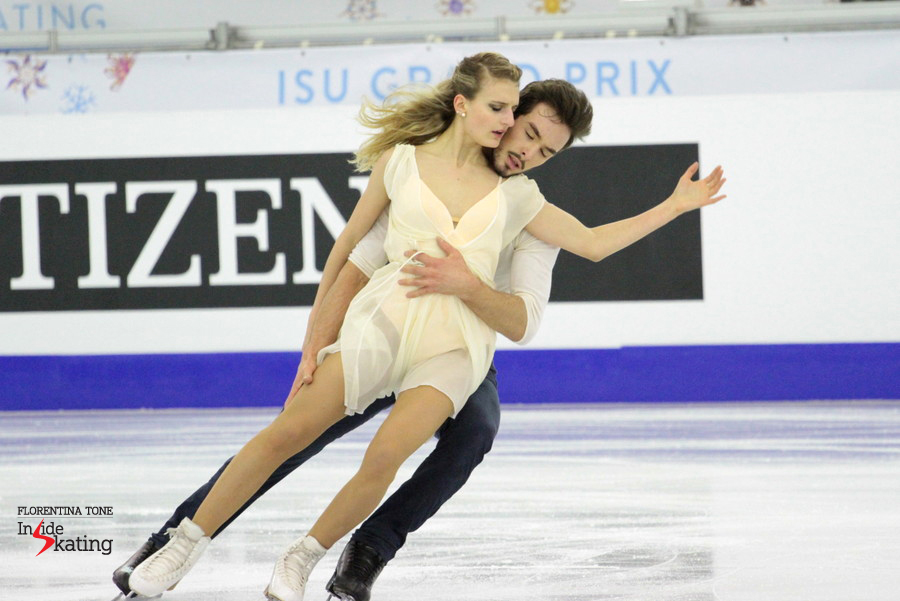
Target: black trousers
462 444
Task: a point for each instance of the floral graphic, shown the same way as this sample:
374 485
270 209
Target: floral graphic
361 10
77 99
552 7
28 75
119 67
455 7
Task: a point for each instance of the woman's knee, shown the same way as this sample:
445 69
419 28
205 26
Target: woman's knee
381 462
282 439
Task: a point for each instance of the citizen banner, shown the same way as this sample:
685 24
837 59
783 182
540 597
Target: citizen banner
255 230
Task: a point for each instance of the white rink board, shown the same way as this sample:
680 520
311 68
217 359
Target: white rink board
803 251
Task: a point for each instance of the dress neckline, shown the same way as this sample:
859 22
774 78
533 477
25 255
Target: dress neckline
453 222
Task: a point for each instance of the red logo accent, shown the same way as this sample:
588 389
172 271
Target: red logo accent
47 540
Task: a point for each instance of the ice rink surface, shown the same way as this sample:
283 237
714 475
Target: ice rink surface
686 502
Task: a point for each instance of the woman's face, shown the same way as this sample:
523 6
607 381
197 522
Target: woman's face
490 113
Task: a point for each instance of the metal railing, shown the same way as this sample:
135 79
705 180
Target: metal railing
668 19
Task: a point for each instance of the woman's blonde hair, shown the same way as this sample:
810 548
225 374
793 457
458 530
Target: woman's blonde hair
415 115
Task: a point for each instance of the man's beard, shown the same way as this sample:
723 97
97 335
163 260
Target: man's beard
498 166
489 155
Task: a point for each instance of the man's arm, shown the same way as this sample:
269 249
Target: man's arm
505 313
530 278
515 314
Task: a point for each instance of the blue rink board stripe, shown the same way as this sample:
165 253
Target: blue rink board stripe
630 374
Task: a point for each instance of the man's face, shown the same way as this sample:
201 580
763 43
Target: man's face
531 141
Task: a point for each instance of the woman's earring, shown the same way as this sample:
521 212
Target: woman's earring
463 115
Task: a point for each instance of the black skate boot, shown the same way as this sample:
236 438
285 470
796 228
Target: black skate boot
356 572
123 572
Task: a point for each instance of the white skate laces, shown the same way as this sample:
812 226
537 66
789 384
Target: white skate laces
293 568
162 570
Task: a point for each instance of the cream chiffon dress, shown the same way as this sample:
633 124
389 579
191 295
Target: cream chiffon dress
390 343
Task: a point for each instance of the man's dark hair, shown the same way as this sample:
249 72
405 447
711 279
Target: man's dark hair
570 104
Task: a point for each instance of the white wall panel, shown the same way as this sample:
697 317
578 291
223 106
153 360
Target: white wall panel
803 250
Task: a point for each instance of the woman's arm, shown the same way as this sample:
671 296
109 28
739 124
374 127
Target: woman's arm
328 322
371 204
559 228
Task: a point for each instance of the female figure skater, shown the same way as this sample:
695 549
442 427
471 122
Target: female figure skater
432 351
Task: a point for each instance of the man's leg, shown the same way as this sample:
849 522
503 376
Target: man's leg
462 444
189 506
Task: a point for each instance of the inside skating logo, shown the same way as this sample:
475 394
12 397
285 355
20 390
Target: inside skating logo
52 534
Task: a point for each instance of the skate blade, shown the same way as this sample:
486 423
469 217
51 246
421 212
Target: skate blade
135 596
269 596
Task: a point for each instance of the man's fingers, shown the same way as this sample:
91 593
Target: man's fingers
426 260
417 282
416 270
420 256
447 247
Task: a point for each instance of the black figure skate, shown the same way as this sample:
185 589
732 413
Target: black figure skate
355 574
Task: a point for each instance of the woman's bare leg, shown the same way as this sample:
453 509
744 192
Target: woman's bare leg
313 410
415 417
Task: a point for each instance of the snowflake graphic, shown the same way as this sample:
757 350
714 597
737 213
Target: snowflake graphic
552 7
78 99
119 67
28 75
455 7
361 10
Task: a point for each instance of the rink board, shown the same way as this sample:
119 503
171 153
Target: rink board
787 290
630 374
